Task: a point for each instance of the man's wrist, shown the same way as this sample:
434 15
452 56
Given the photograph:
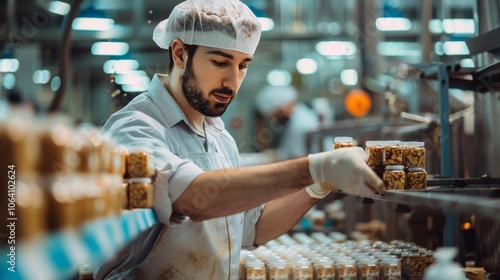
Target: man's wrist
315 191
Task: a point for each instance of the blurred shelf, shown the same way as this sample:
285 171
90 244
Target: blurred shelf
59 255
473 199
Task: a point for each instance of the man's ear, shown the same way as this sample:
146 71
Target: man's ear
178 53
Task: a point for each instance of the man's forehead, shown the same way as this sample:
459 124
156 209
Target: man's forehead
230 54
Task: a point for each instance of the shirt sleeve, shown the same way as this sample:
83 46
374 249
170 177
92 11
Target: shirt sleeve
249 221
174 174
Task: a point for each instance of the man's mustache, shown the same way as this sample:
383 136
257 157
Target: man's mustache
223 90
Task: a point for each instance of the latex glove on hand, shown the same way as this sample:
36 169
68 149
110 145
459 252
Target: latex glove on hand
343 170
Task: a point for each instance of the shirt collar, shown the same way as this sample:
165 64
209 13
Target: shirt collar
171 111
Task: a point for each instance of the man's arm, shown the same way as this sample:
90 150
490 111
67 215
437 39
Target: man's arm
279 215
229 191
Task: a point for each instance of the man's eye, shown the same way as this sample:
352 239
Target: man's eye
243 66
218 64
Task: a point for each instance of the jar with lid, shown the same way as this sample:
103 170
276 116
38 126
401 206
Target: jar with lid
346 269
393 153
413 266
140 162
255 270
342 142
416 178
140 193
302 269
368 269
324 269
374 150
415 154
277 269
394 177
390 269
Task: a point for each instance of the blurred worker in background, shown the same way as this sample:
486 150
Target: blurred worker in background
208 205
281 106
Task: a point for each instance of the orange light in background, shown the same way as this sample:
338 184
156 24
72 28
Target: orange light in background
358 103
466 226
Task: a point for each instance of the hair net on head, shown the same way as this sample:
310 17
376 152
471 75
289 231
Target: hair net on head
225 24
271 98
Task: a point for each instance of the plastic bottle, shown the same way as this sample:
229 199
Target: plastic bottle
445 268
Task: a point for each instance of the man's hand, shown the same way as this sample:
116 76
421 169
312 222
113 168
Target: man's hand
346 170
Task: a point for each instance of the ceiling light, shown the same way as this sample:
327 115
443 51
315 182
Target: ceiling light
41 77
459 26
109 48
60 8
393 24
306 66
349 77
266 23
455 48
336 48
9 65
134 88
119 66
91 19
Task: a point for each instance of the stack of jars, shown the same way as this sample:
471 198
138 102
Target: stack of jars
139 177
401 165
62 175
320 256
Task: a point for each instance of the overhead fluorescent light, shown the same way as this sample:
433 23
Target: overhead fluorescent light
393 24
349 77
452 26
9 65
60 8
91 19
336 48
109 48
119 66
306 66
266 23
134 88
41 77
133 78
455 48
92 24
459 26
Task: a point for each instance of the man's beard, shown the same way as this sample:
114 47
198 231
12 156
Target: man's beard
194 94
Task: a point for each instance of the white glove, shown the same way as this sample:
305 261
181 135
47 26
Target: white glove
343 170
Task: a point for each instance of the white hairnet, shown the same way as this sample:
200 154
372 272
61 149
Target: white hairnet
271 98
225 24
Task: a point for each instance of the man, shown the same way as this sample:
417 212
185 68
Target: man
209 207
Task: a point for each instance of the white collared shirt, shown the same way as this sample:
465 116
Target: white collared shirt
177 247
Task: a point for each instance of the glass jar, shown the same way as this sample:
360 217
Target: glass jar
416 178
277 269
342 142
140 163
374 150
302 269
368 269
346 270
255 270
393 153
140 193
324 269
390 269
394 177
415 154
414 266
